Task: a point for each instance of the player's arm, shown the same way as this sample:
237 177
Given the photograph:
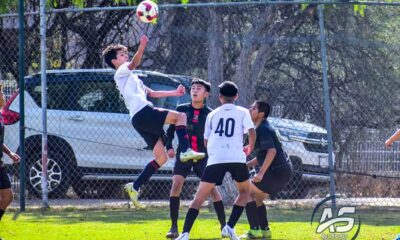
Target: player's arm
252 163
271 153
15 157
179 91
252 141
136 60
171 132
393 138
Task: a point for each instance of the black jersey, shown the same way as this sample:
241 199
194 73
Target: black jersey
266 139
196 120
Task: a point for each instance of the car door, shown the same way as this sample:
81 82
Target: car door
99 129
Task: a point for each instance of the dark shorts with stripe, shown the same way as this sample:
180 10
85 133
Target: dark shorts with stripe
4 180
185 168
215 173
275 179
149 122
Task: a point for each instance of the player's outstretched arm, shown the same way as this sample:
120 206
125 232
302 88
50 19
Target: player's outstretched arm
137 59
393 138
179 91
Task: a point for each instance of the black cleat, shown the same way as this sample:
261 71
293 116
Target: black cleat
173 233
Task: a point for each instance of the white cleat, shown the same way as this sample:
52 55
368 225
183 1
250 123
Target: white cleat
229 233
183 236
189 154
133 195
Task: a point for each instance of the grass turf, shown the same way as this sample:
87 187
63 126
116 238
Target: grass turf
124 224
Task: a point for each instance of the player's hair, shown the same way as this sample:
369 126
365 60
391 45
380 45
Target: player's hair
206 84
110 53
228 89
263 107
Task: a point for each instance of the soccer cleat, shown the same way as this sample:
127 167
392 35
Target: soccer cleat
266 233
252 234
173 233
191 155
183 236
133 195
229 233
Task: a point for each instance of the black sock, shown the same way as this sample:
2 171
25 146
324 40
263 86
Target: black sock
183 137
262 217
235 215
189 220
174 210
2 213
146 174
219 209
252 216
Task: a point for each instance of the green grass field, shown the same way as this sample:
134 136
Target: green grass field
124 224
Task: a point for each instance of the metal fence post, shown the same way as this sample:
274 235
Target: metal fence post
43 66
327 108
21 73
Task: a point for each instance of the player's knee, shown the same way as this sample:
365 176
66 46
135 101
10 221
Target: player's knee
7 198
215 195
161 158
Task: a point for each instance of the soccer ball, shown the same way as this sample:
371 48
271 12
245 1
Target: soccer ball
147 11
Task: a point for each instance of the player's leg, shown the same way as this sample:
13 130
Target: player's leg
201 195
180 121
174 203
6 195
252 213
160 157
213 174
218 206
241 176
198 169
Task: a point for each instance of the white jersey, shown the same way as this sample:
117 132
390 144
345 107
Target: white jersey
224 130
131 88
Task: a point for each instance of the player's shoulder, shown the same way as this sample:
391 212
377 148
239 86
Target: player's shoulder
183 107
207 109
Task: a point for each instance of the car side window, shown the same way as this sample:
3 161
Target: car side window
100 96
58 96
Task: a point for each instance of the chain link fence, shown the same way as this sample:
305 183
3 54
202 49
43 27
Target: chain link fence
272 51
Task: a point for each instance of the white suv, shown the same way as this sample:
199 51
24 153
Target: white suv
92 144
307 147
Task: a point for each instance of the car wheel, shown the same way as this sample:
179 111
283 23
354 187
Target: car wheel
58 170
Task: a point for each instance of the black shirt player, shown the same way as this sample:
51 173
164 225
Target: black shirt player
196 112
275 171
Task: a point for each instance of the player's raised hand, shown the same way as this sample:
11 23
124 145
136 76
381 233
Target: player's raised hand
144 40
15 157
388 144
180 90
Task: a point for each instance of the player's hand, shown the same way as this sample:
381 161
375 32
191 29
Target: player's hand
247 150
143 40
388 144
257 178
171 153
180 90
15 157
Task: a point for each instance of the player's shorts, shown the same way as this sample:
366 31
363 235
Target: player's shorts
275 179
185 168
149 122
215 173
4 180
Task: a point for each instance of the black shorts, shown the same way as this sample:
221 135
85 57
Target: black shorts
185 168
275 179
149 122
4 180
215 173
